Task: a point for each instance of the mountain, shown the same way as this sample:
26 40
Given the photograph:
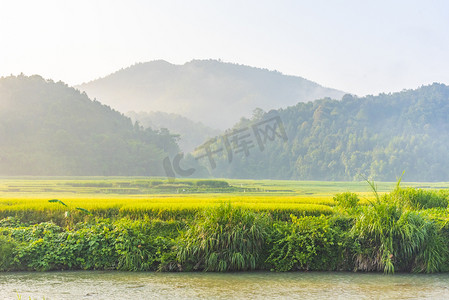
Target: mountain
48 128
208 91
375 137
191 134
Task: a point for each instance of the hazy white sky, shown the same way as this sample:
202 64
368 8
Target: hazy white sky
362 47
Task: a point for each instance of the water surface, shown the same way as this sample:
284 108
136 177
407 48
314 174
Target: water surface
259 285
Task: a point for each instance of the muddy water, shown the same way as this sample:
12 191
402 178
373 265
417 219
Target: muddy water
126 285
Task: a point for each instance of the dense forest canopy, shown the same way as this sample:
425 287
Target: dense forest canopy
375 136
48 128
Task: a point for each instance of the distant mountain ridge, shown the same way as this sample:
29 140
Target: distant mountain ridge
208 91
49 128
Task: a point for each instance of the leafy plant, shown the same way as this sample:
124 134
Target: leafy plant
307 243
346 200
224 238
57 201
7 249
391 235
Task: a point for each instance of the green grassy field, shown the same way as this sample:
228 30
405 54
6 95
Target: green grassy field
139 196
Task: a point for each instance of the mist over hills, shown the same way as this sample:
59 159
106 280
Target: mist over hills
215 93
48 128
191 134
377 137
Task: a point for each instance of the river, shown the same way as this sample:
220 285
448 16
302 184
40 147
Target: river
257 285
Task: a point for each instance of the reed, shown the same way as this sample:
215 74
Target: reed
391 235
224 238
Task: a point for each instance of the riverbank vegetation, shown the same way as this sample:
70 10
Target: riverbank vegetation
405 230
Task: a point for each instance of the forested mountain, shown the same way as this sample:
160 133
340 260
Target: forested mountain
208 91
191 134
48 128
375 136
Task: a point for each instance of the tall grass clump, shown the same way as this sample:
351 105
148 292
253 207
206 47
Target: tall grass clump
418 199
224 238
391 236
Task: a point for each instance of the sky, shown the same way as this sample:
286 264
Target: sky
360 47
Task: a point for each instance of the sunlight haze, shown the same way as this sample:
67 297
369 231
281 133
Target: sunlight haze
358 47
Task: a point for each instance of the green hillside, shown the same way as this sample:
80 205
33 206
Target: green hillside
48 128
375 136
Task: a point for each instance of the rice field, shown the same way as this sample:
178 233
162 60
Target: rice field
139 196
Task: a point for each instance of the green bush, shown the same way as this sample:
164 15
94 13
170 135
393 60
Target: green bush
346 200
38 247
120 245
308 243
10 222
225 238
140 245
7 248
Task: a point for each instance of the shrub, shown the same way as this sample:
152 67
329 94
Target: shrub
225 238
39 247
140 245
10 222
347 200
307 243
7 249
123 244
